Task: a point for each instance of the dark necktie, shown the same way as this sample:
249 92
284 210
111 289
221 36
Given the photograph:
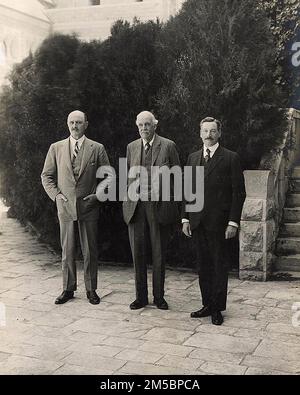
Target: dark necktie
147 147
76 150
207 156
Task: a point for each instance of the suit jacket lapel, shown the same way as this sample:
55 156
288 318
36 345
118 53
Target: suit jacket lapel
136 155
156 148
67 157
88 148
213 162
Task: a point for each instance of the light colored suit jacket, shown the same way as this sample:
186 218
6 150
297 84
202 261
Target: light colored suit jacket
164 153
57 177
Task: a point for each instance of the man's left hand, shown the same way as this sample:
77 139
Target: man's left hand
230 232
91 198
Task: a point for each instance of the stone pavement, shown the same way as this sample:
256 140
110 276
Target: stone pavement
39 337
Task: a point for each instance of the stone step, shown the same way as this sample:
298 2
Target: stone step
296 173
291 214
286 275
288 245
293 200
287 263
294 185
290 230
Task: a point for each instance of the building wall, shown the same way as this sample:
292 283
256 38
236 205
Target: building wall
94 21
20 33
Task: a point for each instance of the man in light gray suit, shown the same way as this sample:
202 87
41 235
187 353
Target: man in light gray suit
149 221
69 178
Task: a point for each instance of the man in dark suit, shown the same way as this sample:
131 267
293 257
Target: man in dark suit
69 178
224 195
149 219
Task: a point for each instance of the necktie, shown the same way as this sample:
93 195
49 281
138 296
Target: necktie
147 147
76 150
207 156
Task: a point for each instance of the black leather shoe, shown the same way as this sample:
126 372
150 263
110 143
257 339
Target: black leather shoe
161 304
64 297
217 318
93 297
138 305
204 312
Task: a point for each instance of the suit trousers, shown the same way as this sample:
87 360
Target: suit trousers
148 241
88 231
212 267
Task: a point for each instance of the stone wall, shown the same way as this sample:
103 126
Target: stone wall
262 213
19 34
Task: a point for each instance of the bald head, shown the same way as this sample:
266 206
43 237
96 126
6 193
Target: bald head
77 124
78 113
147 124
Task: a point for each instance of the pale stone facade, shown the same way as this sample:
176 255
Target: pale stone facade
23 26
92 19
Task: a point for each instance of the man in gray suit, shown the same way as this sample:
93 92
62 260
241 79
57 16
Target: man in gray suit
149 221
69 178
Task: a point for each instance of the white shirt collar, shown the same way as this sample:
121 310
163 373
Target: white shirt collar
150 142
73 141
212 149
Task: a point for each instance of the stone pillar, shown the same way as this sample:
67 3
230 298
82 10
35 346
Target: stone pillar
258 228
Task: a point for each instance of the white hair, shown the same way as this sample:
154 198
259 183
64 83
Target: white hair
149 114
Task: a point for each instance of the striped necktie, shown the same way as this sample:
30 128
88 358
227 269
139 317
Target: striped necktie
207 156
147 147
76 150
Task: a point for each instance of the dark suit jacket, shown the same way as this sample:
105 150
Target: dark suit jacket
224 190
57 177
164 153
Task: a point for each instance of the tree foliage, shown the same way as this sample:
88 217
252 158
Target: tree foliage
284 16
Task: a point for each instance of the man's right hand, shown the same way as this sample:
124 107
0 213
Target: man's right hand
186 229
61 197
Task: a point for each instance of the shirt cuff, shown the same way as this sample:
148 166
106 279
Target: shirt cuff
233 224
185 221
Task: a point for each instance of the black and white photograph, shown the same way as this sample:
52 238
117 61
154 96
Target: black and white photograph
149 190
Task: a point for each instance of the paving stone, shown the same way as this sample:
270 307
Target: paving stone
273 314
209 328
180 362
101 350
223 368
167 348
133 368
92 360
244 323
84 337
185 325
224 343
133 344
264 372
53 319
272 364
43 352
29 305
4 356
270 349
283 328
68 369
216 356
168 335
28 366
292 295
139 356
106 327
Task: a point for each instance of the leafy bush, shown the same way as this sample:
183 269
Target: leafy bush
214 58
